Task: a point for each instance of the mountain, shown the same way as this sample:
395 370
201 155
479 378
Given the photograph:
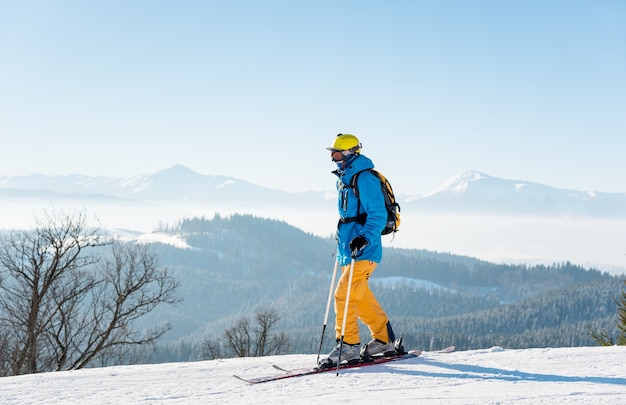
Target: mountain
476 192
469 192
177 184
229 267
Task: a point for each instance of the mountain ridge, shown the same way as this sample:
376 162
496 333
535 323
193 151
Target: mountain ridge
470 191
474 191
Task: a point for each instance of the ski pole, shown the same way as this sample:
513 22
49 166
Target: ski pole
345 309
330 297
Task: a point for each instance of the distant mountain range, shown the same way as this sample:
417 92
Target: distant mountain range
476 192
468 192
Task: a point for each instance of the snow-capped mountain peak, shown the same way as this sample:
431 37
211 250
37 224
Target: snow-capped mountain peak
470 191
475 192
459 183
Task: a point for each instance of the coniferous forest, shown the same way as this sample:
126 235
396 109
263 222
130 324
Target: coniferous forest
240 264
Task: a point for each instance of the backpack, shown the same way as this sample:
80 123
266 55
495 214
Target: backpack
391 205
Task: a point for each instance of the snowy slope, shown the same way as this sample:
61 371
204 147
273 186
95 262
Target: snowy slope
593 375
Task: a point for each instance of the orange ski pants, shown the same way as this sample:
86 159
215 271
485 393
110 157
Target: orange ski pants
363 305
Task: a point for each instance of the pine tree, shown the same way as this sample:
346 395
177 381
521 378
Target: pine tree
603 338
621 315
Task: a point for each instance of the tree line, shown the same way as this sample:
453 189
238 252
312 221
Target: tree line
561 318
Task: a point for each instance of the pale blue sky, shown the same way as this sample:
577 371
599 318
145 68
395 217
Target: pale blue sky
532 90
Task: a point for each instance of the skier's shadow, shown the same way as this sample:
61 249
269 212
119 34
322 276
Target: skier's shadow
490 373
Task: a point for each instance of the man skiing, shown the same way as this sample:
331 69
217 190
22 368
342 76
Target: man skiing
359 238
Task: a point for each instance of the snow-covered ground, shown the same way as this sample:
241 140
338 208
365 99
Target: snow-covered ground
594 375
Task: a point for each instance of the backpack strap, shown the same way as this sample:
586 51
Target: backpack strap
360 218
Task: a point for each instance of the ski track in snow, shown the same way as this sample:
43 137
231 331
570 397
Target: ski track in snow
594 375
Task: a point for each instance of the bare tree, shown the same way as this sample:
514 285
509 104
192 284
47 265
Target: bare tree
34 266
211 349
262 341
63 307
268 342
238 338
132 285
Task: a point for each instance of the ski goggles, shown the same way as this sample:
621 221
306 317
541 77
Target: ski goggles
338 155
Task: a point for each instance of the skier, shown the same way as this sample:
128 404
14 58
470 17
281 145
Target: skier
361 238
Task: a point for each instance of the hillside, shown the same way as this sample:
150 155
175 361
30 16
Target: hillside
584 375
229 268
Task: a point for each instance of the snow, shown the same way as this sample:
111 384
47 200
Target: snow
594 375
457 184
152 237
225 184
164 238
392 282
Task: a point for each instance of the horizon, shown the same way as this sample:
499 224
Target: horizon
181 165
487 235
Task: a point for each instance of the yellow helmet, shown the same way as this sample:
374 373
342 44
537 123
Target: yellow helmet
346 142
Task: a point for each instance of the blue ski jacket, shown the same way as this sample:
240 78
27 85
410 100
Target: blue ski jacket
372 203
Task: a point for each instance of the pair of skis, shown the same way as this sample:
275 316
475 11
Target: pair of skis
301 372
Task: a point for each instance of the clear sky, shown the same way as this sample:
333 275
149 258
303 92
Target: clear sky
531 90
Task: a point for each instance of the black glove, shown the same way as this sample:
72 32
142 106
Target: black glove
358 243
